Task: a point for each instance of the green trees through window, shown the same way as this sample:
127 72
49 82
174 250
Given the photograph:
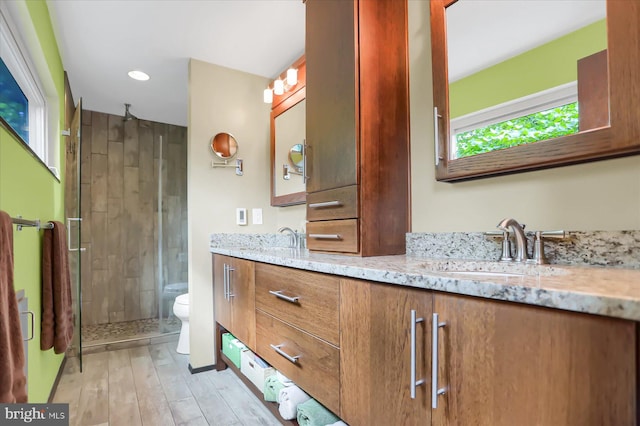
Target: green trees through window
539 126
14 105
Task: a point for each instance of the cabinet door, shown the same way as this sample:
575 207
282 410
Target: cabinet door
375 354
243 302
331 106
222 306
511 364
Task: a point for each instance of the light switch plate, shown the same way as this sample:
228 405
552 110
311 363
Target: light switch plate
256 216
241 216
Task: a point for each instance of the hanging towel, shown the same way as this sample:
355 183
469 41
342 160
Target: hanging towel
312 413
57 317
290 397
13 382
272 388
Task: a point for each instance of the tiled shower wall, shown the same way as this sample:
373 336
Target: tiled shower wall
119 204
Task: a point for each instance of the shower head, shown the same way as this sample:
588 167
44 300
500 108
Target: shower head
127 115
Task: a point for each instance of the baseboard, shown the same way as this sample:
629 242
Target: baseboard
54 388
201 369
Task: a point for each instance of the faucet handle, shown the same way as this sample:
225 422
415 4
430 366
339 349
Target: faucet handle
506 244
538 244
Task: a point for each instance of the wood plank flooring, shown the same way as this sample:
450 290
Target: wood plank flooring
151 385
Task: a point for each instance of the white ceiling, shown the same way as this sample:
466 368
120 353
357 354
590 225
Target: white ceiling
481 33
101 40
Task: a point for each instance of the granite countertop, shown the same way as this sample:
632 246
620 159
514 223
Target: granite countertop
610 292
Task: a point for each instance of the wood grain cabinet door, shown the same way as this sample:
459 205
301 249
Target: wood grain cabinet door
506 364
375 354
222 306
243 301
331 94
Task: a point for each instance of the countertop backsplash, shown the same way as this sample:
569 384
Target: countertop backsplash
583 248
620 249
252 241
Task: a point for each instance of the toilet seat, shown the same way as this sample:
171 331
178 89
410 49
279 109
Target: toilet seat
183 299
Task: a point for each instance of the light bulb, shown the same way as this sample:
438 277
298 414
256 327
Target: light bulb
292 76
278 87
268 96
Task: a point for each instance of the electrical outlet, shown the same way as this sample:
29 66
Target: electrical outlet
256 216
241 216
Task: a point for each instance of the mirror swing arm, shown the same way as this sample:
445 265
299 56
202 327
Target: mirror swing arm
621 137
238 164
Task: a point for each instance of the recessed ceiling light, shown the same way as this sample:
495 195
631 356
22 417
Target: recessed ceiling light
139 75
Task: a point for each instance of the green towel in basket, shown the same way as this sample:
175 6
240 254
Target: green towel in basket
272 388
312 413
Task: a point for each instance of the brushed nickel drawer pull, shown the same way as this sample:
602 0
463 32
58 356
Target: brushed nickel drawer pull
335 203
414 383
279 295
292 359
435 391
326 236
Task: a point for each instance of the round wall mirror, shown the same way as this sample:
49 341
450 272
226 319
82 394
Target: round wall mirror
224 146
296 157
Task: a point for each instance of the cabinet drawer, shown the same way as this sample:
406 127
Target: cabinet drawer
313 299
333 235
340 203
317 366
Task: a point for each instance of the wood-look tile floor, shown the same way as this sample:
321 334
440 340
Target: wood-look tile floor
151 385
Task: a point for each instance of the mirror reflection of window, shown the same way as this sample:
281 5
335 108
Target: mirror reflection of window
289 131
514 73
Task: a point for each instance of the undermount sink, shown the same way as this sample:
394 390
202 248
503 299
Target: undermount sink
485 268
492 273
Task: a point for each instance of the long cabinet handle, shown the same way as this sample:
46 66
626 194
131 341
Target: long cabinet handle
414 383
229 271
279 295
292 359
435 392
305 176
33 321
334 203
326 236
436 133
69 220
225 281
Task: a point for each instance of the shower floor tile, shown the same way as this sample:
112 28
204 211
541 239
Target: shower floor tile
127 330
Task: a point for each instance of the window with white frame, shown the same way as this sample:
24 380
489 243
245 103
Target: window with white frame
540 116
24 104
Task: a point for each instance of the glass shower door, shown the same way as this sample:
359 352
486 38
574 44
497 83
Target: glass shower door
73 215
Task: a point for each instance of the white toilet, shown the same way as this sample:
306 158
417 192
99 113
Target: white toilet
181 311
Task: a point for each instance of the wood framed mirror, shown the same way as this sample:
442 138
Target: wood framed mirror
607 91
287 131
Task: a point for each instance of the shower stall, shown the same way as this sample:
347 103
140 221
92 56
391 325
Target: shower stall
131 195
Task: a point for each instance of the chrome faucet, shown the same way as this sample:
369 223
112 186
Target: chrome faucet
521 239
293 236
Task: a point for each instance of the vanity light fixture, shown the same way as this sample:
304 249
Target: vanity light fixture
138 75
281 85
278 87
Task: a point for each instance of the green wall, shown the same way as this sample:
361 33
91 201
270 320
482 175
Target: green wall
542 68
27 188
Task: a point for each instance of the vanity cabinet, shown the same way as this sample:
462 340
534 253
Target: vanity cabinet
500 363
234 297
375 354
357 126
510 364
